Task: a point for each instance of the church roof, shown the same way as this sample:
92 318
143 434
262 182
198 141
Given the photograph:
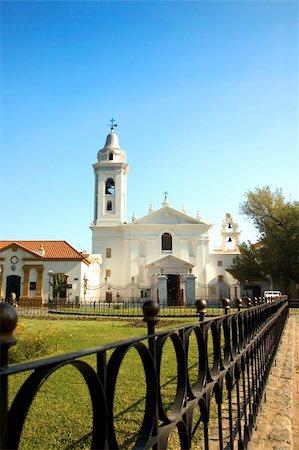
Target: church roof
50 249
168 215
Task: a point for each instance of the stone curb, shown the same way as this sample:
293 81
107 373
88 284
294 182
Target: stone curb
274 422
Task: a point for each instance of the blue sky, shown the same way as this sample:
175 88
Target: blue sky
205 95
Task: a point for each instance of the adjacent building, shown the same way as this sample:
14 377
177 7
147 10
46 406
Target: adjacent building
35 270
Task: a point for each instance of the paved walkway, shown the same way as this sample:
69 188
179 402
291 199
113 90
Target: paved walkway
278 421
296 387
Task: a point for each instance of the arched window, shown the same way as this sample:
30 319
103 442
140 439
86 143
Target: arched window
109 206
166 241
109 186
110 156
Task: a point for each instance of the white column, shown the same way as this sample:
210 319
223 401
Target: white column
190 289
162 289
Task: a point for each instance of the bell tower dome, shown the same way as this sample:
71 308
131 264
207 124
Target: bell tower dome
110 172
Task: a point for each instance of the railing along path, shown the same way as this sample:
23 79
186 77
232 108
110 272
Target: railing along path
235 353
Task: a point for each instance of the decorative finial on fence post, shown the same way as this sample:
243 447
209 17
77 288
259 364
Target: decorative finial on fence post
8 322
150 315
201 308
239 303
225 305
248 302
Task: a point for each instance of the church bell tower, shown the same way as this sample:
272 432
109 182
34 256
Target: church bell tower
230 234
110 172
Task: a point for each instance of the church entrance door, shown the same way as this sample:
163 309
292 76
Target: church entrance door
173 290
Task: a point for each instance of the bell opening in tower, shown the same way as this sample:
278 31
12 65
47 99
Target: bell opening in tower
110 188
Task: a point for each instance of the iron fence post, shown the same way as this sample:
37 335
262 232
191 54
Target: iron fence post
8 322
150 310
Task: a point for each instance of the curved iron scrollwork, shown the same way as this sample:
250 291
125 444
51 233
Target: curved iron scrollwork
234 352
24 398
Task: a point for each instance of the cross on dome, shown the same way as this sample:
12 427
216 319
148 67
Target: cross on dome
113 124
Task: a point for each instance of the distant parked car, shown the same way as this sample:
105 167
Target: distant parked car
270 294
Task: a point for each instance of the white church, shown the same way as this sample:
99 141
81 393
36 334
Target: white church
166 255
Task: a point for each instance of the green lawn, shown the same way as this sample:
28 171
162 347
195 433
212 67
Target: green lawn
68 335
60 417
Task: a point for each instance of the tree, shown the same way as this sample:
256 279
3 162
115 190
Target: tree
277 252
248 265
59 285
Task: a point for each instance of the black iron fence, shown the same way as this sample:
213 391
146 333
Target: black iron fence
126 307
217 396
133 307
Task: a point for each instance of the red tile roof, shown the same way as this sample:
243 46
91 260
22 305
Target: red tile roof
53 249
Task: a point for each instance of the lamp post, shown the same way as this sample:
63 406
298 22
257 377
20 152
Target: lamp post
50 273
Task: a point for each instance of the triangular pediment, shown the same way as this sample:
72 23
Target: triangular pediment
170 261
169 216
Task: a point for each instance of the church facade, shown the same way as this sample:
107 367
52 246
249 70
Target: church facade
165 255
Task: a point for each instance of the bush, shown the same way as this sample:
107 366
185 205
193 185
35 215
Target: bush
28 346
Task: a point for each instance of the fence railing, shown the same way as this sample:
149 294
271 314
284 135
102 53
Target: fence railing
133 307
216 408
126 307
